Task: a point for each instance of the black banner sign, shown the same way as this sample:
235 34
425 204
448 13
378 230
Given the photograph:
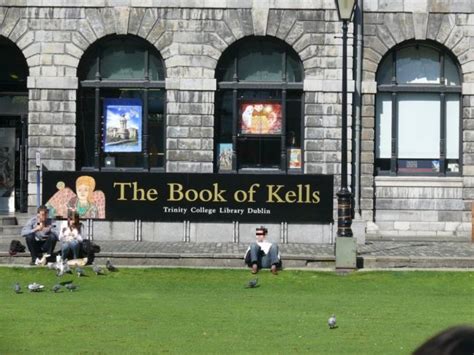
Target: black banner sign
194 197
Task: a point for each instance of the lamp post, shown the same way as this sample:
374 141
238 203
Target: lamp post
345 9
345 244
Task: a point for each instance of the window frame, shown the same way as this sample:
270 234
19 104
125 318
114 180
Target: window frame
143 85
235 86
442 89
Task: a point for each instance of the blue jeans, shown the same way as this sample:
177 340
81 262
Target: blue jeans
257 256
70 246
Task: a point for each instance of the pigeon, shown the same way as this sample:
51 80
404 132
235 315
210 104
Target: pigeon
34 287
252 283
56 288
109 266
97 269
79 271
67 268
332 322
17 288
71 287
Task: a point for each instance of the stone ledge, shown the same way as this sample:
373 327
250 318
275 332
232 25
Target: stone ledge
416 262
418 181
190 84
45 82
327 85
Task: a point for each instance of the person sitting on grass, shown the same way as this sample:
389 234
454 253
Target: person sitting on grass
41 235
70 235
262 253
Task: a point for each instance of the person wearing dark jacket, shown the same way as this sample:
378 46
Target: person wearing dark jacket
41 235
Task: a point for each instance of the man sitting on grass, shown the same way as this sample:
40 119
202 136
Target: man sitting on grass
262 253
41 236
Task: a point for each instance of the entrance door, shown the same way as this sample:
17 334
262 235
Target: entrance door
13 164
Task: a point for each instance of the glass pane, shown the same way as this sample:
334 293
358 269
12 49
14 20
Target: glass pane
13 104
122 59
452 126
260 63
418 126
156 70
383 126
418 64
293 69
85 136
156 101
293 120
384 73
225 117
259 153
451 72
14 67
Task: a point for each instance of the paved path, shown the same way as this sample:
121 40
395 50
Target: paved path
371 248
374 254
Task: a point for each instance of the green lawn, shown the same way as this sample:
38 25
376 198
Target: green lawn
210 311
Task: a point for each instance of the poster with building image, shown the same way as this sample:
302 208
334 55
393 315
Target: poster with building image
225 157
260 118
122 125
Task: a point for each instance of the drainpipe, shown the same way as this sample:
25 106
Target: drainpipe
357 105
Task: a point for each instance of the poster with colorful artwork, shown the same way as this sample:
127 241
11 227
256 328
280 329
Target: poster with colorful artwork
260 118
225 156
123 125
294 161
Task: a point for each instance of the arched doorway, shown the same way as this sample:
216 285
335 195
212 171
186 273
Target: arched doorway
13 128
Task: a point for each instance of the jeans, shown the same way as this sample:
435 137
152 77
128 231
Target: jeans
38 247
257 256
73 246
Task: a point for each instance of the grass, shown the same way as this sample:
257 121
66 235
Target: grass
210 311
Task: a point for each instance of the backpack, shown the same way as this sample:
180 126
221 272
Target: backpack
16 247
89 249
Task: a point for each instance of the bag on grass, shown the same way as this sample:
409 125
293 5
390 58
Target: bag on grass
16 247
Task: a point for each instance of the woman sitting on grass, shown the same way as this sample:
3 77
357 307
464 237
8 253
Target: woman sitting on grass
70 235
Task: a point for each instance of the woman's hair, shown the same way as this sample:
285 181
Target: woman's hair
74 217
458 340
88 181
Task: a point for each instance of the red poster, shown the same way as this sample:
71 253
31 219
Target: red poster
260 118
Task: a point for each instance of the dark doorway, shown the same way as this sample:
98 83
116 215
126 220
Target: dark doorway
13 128
13 166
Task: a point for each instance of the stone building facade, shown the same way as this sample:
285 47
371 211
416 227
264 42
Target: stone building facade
191 37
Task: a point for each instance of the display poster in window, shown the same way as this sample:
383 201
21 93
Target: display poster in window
225 157
294 158
122 125
260 118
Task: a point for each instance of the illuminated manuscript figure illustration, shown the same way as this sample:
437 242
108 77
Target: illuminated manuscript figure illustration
261 118
86 202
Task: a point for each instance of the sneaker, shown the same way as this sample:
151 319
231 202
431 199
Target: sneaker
32 263
43 260
254 268
274 270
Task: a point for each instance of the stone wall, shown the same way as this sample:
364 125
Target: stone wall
417 206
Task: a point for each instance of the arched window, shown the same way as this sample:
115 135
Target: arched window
418 111
259 107
121 105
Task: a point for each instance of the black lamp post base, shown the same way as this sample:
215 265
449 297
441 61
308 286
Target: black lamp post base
344 216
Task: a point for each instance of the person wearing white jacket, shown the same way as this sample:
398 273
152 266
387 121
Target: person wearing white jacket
70 235
262 253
